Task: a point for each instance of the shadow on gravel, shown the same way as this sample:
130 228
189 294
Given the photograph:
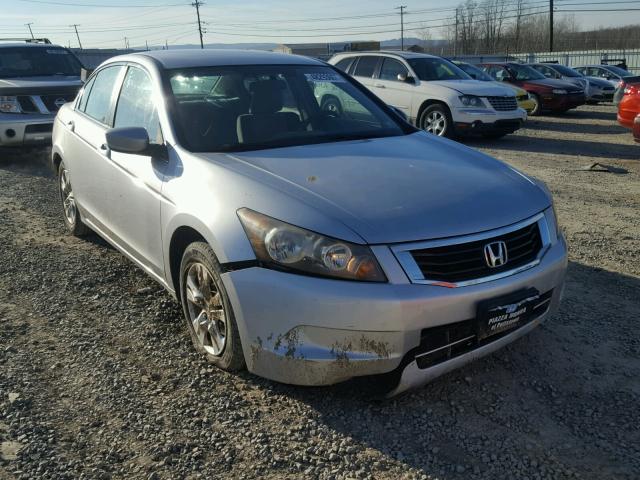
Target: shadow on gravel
33 161
591 114
585 128
554 146
528 398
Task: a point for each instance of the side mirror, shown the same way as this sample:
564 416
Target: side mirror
402 77
133 140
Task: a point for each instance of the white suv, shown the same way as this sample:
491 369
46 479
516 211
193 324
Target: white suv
433 93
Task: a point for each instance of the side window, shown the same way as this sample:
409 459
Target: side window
391 69
135 106
366 66
98 103
85 94
344 64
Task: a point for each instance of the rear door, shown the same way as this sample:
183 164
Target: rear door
86 154
389 88
365 69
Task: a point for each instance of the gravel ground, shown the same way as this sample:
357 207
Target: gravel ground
99 380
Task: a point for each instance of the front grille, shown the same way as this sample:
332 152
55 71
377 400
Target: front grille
503 104
27 105
50 100
439 344
466 261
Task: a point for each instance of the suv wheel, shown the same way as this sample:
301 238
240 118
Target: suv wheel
70 212
207 308
332 106
436 119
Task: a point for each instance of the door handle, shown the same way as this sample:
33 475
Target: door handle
71 125
379 85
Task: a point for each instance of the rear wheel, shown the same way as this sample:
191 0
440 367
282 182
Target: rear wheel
207 309
537 108
70 213
436 119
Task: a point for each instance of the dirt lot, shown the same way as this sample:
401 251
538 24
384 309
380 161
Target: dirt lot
98 378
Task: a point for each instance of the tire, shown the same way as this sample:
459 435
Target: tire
332 106
70 213
204 297
537 109
436 119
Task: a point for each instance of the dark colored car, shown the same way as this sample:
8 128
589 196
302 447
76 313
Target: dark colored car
548 94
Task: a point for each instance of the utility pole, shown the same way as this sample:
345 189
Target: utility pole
126 43
401 8
29 26
75 25
551 25
197 4
166 44
146 42
455 40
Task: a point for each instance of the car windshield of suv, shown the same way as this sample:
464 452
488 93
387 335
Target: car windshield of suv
566 71
430 69
475 73
257 107
524 73
618 71
37 62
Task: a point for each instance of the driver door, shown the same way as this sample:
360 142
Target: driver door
389 88
136 180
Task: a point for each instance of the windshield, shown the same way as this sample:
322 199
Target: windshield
618 71
475 72
566 71
256 107
524 73
429 69
37 61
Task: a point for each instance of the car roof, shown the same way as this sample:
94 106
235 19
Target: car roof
406 55
28 45
191 58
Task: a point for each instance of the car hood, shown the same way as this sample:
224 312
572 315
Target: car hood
39 85
399 189
598 82
473 87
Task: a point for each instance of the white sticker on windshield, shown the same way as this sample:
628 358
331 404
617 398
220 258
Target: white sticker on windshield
324 77
58 51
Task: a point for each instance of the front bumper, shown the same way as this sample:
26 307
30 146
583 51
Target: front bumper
313 331
480 120
18 129
559 103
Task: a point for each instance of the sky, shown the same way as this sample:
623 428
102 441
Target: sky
106 23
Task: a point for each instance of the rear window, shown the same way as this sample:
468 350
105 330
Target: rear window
37 62
366 66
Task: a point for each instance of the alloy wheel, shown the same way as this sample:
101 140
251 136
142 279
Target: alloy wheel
206 309
436 123
68 200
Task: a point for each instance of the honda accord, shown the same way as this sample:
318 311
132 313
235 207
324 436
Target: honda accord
306 246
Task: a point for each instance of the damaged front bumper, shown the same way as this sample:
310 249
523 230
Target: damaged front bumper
314 331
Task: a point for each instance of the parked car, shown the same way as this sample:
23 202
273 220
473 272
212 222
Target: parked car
596 89
548 94
522 96
636 128
629 107
622 85
434 94
36 79
307 246
610 73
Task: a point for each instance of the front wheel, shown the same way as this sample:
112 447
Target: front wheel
436 119
70 213
207 309
537 104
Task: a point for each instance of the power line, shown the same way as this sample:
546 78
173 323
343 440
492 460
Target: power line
95 5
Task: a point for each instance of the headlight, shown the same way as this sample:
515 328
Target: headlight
9 104
551 217
281 246
559 91
471 101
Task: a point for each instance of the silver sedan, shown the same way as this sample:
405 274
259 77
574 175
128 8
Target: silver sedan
307 243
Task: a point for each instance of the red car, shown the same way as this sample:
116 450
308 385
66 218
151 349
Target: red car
629 109
549 94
